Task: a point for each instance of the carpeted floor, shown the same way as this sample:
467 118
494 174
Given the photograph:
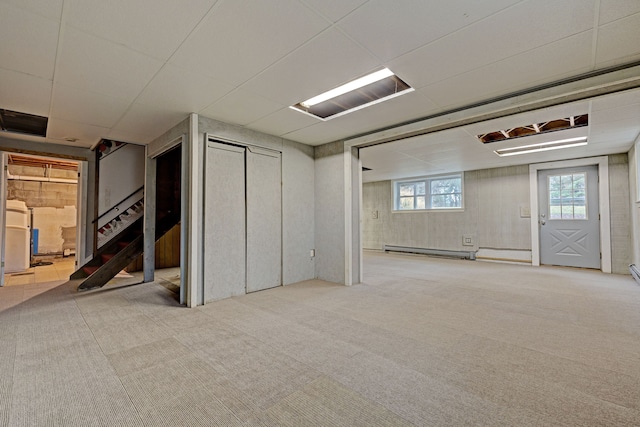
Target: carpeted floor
423 341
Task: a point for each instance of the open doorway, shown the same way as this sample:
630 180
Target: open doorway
168 218
168 225
41 218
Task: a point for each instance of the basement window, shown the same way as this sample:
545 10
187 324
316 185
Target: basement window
29 124
442 192
355 95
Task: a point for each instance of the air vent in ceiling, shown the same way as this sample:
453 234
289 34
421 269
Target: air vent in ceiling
535 129
29 124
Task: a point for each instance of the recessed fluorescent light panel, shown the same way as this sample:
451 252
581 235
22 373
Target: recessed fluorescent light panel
355 95
565 123
542 146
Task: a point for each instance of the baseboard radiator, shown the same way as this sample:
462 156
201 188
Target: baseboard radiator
433 252
635 272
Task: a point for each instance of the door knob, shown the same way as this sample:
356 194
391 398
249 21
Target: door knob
543 222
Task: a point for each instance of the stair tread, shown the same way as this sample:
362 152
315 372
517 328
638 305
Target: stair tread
90 269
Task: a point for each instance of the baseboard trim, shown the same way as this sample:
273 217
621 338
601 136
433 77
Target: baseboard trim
511 256
433 252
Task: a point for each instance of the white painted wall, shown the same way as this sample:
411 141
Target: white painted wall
298 191
49 222
485 216
298 212
495 201
620 213
634 211
121 173
330 212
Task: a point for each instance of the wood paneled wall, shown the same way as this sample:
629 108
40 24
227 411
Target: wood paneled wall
167 251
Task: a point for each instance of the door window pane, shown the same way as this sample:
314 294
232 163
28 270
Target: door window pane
567 196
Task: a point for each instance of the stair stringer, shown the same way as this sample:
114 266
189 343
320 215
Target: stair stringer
108 270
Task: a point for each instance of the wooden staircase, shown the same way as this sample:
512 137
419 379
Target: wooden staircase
111 258
119 253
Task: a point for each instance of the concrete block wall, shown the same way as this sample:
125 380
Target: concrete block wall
42 194
53 204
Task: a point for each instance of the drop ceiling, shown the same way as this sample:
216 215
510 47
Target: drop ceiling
130 70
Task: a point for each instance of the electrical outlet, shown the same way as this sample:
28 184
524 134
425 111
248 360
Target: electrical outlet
312 253
374 214
467 240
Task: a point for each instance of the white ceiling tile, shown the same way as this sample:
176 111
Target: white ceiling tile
618 133
129 137
410 106
334 10
148 122
28 42
434 141
616 100
390 29
182 90
500 36
86 135
156 28
326 62
240 107
47 8
25 93
86 107
623 112
566 57
282 122
317 134
613 41
241 38
91 63
610 10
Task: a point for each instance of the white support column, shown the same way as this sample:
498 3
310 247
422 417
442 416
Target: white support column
3 209
194 238
149 254
348 217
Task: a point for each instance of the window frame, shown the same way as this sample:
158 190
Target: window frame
395 189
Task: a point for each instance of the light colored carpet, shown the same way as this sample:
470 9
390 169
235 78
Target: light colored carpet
424 341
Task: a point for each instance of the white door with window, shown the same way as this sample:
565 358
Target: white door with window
569 220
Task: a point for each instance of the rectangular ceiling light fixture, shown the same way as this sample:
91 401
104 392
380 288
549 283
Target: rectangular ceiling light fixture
355 95
14 121
542 146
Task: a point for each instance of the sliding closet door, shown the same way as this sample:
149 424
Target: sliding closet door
264 219
224 226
